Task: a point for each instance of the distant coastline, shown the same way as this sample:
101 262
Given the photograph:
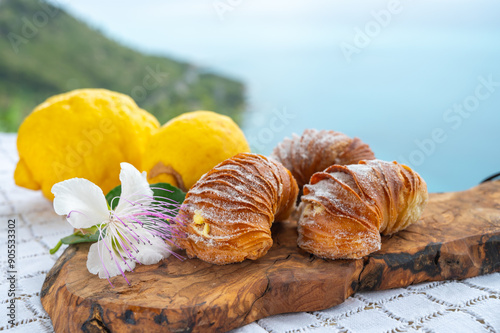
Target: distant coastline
45 51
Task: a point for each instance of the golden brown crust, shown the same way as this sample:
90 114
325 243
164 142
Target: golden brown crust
315 150
227 215
345 208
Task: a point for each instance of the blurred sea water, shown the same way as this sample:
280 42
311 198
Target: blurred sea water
418 81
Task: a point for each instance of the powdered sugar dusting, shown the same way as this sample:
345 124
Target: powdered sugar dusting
371 197
315 150
236 202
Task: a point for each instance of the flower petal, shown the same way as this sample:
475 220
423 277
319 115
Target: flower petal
82 201
99 261
152 253
135 187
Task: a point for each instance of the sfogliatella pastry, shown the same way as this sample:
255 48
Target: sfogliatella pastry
227 214
345 208
315 150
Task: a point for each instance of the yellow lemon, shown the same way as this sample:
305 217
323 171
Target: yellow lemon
83 133
190 145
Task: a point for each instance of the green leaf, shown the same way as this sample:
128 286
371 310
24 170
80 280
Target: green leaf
161 191
166 191
114 193
91 236
80 238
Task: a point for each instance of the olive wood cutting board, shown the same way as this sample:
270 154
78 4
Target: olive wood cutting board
458 237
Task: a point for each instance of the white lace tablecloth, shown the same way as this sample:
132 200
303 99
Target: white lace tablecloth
471 305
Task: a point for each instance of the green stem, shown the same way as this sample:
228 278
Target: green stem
54 250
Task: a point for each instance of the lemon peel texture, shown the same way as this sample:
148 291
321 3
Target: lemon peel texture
190 145
83 133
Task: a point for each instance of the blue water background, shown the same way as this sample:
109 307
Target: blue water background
394 93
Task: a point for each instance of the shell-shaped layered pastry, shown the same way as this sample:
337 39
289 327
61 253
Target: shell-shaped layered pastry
346 208
315 150
227 215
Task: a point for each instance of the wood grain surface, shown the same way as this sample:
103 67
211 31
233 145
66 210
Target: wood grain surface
458 237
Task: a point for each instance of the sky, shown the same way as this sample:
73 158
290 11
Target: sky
397 74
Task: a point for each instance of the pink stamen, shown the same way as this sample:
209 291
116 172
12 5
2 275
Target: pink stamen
158 219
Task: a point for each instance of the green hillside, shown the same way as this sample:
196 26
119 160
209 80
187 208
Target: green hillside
45 51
